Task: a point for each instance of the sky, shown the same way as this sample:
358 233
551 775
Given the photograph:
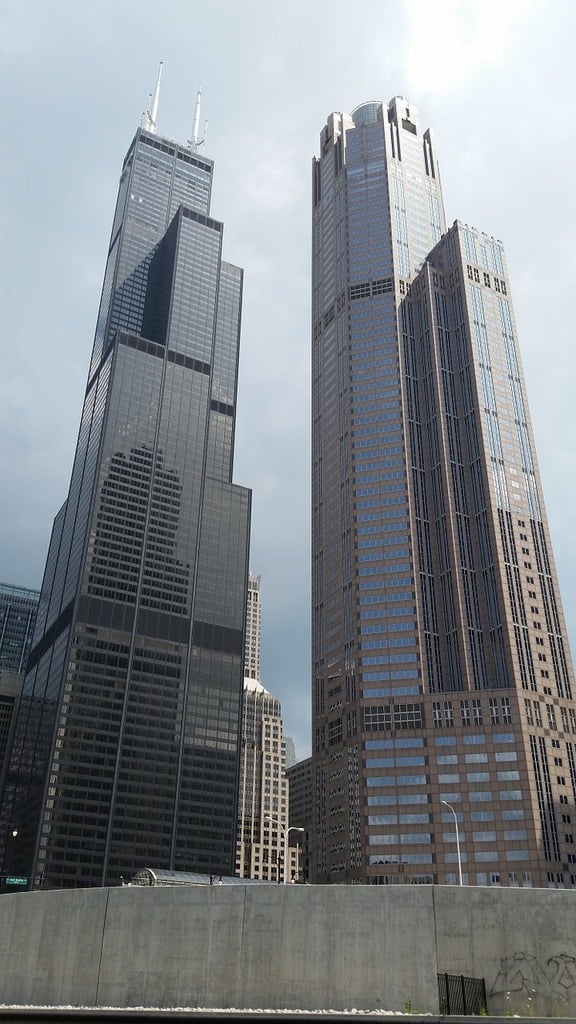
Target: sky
496 83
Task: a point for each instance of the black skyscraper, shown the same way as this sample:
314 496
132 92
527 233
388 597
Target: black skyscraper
126 752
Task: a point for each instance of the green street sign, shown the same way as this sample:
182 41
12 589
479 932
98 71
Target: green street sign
14 880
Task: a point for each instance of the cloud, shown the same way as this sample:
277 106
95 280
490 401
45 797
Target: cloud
451 40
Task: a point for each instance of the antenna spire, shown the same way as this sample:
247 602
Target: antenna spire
149 118
195 142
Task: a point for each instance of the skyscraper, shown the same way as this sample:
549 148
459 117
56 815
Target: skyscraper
253 629
263 796
301 812
127 746
444 725
18 609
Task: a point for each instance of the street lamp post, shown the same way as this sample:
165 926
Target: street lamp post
449 806
286 834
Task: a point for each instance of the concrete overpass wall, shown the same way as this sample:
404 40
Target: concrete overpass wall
292 947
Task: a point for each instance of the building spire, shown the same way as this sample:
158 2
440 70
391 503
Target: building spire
195 142
149 118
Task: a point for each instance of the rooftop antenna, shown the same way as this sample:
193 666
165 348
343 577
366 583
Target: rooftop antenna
195 142
149 118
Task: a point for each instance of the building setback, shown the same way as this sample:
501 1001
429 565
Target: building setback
127 740
443 710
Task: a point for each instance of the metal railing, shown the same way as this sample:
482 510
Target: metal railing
457 994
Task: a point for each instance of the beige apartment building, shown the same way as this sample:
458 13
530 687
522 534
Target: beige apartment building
263 793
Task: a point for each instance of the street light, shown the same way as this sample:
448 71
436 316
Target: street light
286 833
446 804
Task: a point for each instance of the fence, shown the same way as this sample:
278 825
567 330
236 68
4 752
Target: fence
458 994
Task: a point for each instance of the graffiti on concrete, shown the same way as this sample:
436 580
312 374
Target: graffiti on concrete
523 973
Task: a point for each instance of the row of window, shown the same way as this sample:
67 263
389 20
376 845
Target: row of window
471 712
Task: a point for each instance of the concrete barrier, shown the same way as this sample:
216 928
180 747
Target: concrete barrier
288 947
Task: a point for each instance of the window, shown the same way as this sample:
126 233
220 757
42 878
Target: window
377 717
408 716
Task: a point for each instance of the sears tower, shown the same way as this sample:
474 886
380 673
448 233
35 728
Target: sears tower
127 741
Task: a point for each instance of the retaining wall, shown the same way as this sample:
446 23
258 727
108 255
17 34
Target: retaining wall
288 947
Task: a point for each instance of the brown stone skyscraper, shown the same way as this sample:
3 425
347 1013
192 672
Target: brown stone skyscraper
444 725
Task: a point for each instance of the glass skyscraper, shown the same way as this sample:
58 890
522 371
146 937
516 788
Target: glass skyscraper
18 608
127 740
444 724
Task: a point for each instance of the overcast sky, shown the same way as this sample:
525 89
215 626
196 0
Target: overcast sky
496 83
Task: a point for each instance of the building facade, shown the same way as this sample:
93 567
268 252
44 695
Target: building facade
301 813
253 629
263 793
444 724
18 610
263 797
127 742
290 751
